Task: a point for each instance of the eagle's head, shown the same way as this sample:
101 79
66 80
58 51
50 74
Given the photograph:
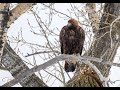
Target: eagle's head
72 24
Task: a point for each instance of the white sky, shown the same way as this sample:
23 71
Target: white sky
22 24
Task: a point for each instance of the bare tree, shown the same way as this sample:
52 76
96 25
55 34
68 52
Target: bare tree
102 33
105 45
11 60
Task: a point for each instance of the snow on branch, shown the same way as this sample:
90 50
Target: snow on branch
84 59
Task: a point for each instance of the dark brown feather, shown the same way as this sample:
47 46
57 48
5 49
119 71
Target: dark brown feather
71 40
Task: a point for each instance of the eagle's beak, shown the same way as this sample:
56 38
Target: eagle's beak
69 24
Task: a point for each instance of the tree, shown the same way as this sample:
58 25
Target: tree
96 61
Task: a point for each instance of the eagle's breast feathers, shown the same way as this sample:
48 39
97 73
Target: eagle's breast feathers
72 38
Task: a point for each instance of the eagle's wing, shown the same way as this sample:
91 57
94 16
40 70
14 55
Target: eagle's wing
82 39
62 33
68 66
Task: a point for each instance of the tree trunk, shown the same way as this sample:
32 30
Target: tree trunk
105 45
4 18
102 47
16 66
10 59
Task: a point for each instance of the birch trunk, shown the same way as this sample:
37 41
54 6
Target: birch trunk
11 60
16 66
4 18
105 45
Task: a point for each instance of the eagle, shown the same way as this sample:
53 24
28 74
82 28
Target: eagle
72 38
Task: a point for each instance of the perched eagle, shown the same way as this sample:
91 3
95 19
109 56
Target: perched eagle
72 38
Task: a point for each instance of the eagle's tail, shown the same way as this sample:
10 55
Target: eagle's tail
69 67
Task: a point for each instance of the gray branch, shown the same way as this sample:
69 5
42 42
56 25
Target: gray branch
15 65
11 60
28 72
41 52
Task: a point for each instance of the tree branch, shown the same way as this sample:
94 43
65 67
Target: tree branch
42 52
56 10
83 59
19 10
15 65
101 47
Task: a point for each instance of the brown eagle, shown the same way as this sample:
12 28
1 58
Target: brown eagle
72 38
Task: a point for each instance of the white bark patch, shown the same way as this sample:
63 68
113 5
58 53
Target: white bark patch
93 16
4 7
19 10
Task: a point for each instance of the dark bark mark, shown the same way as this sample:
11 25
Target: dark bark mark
16 66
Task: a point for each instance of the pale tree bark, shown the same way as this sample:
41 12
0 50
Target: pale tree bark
18 11
29 72
105 45
16 66
11 60
4 18
93 16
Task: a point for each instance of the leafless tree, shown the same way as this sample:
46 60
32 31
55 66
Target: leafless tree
42 65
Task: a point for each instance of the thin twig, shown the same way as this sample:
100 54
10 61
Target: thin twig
56 10
41 52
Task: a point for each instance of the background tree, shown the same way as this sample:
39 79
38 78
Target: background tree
101 24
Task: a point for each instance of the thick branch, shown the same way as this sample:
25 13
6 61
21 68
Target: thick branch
27 73
16 66
101 46
18 11
84 59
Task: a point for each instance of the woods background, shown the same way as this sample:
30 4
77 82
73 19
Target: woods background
32 56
